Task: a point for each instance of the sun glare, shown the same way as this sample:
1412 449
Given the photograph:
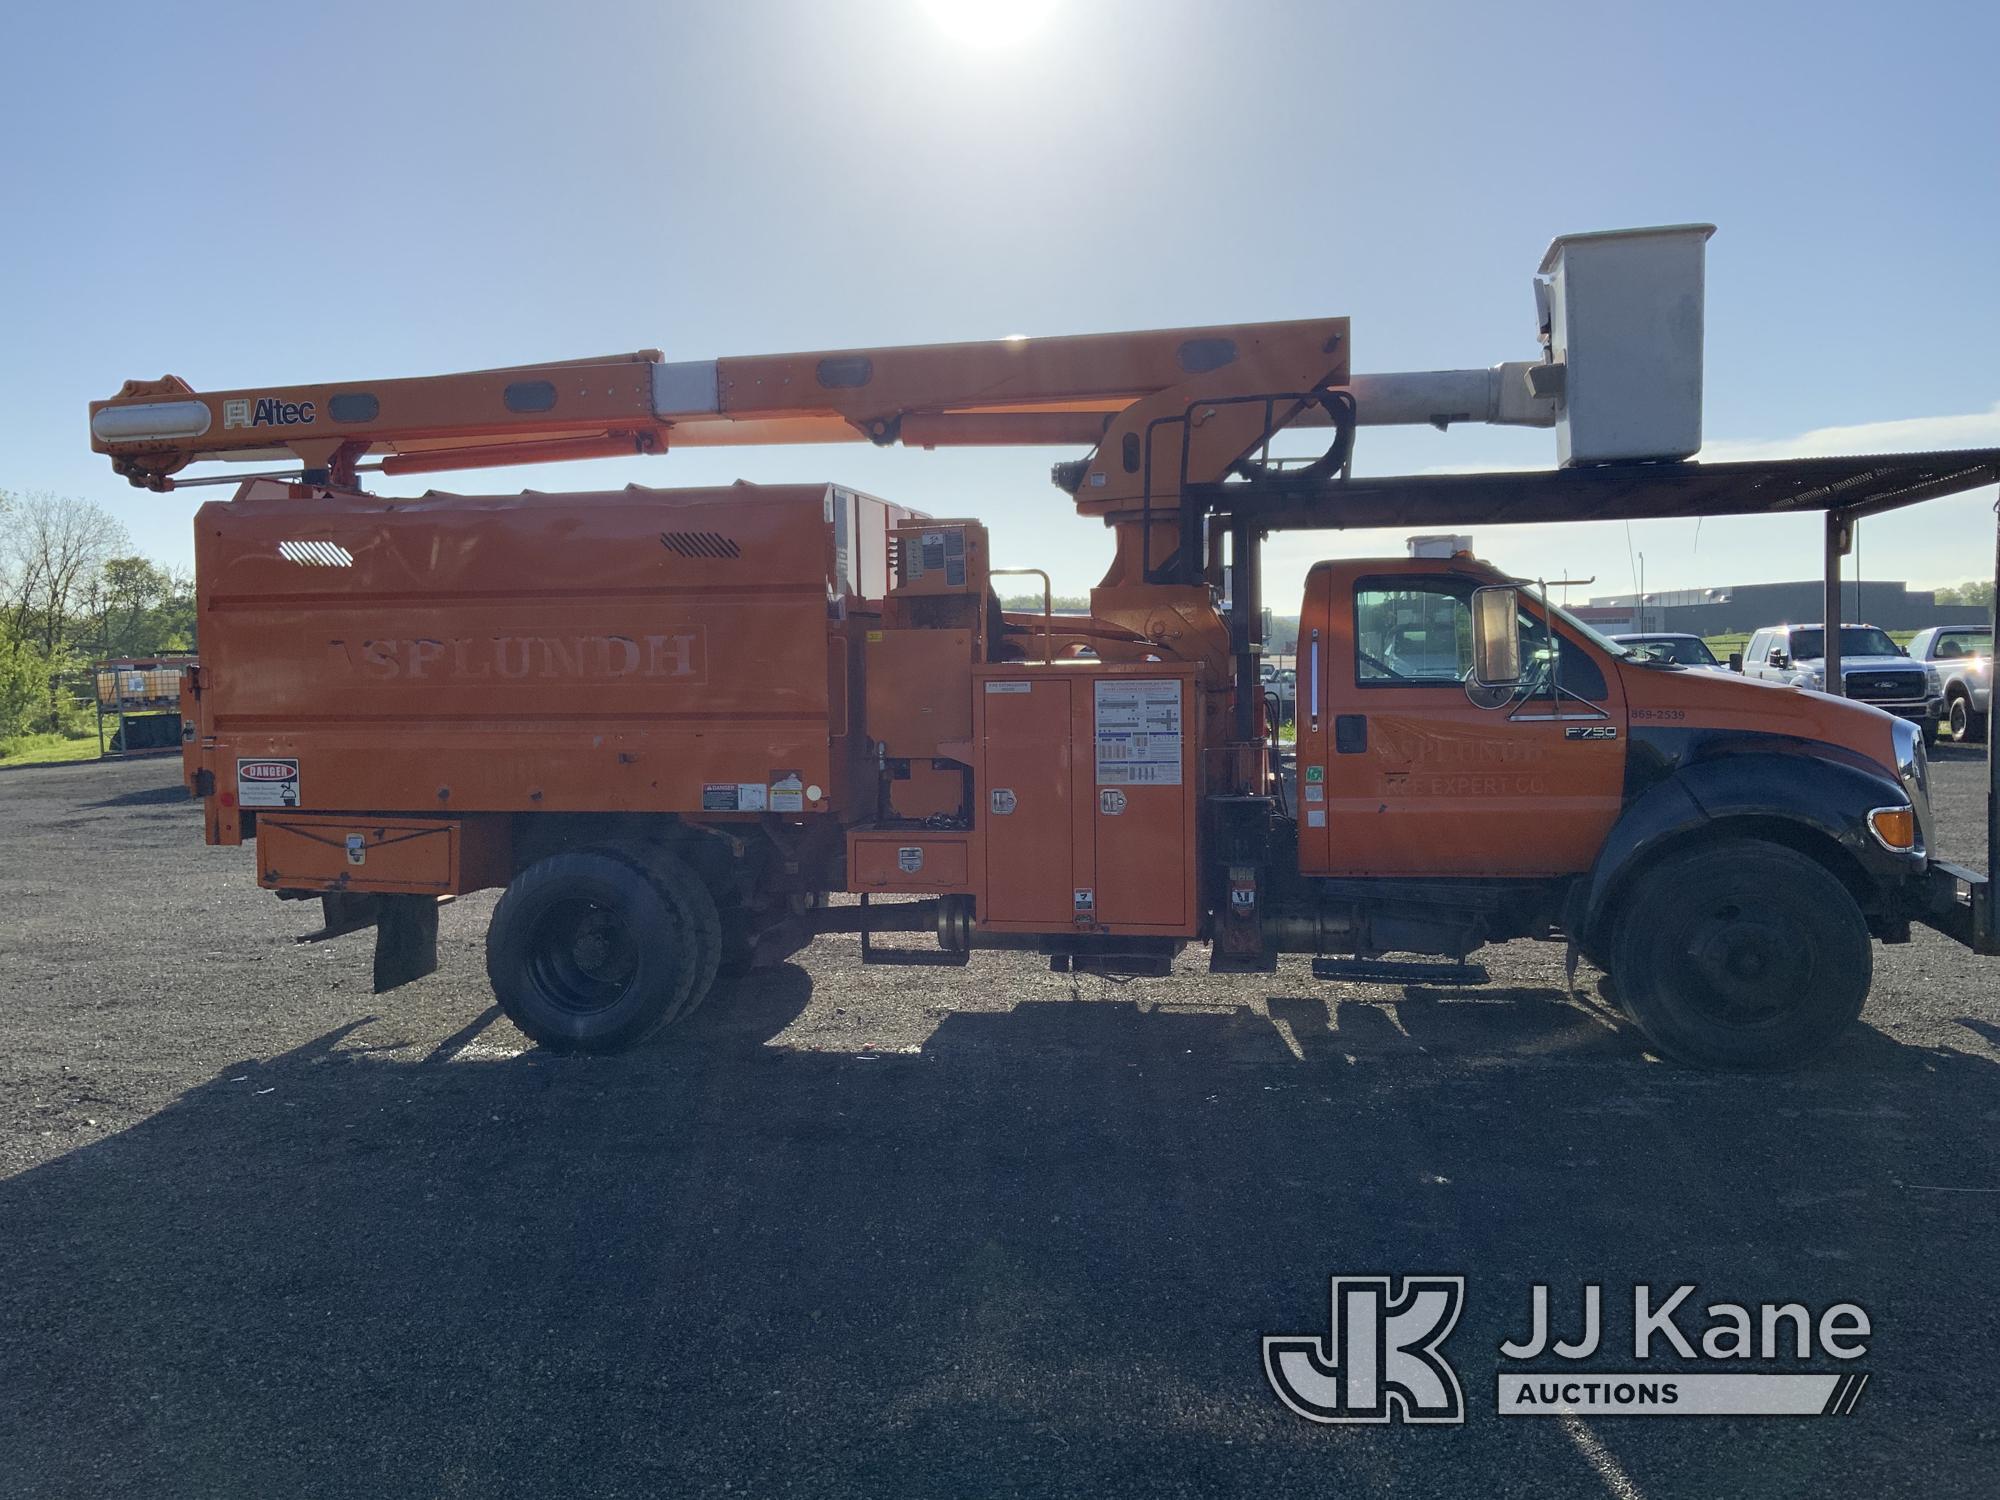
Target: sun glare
990 23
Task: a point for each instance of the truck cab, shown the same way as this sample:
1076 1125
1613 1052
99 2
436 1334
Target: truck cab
1724 848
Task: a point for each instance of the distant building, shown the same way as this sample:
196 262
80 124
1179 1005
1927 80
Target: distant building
1751 606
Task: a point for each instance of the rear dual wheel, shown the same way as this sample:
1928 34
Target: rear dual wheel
594 950
1741 955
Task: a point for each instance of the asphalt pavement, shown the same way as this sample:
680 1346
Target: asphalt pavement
854 1231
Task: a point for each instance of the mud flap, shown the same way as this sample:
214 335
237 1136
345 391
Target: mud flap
406 940
342 912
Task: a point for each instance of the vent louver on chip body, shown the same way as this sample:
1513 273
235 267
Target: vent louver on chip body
316 554
700 544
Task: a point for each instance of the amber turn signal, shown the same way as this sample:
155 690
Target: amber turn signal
1894 827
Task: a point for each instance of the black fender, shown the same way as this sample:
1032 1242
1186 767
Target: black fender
1820 792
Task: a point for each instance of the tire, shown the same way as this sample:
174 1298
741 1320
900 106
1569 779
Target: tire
587 953
1741 955
695 908
1967 727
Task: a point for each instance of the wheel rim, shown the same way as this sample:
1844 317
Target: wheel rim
1743 969
582 955
1961 721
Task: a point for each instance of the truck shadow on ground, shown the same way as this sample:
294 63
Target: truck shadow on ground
1948 750
175 795
1038 1254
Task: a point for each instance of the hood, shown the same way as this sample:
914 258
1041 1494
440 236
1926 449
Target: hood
1669 699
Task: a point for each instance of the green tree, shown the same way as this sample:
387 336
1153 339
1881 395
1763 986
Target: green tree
142 608
23 679
52 559
1979 591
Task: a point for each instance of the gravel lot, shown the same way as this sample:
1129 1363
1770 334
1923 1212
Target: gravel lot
913 1232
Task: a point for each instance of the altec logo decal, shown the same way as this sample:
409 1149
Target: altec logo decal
1383 1360
267 411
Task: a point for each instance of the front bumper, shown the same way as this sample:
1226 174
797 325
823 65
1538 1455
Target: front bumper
1917 710
1957 902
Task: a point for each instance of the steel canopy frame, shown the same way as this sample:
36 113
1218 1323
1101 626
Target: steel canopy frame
1843 490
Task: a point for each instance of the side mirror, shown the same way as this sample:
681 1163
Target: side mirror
1780 659
1496 637
1736 661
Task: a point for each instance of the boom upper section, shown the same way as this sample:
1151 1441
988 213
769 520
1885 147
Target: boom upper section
1057 391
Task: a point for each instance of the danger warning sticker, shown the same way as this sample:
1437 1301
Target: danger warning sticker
267 783
788 791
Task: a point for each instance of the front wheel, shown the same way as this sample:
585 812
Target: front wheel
1741 955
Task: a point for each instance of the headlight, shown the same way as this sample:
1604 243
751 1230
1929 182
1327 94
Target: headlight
1933 683
1913 770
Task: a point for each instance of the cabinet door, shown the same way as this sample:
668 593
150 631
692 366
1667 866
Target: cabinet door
1138 741
1026 806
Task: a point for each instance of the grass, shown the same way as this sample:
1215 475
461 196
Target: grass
47 749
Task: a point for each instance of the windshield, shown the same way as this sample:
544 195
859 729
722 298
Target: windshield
1687 650
1855 640
1604 643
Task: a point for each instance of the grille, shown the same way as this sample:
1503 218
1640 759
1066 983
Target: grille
1883 686
700 544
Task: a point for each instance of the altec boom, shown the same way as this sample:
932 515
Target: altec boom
671 724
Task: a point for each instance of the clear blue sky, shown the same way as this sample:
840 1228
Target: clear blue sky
251 193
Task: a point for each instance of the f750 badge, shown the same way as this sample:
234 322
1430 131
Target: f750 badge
1591 732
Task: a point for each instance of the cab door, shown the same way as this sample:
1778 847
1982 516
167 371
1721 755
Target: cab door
1414 778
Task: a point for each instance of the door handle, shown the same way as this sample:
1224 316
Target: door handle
1350 734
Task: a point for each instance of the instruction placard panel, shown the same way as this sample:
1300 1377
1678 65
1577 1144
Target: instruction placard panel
1138 732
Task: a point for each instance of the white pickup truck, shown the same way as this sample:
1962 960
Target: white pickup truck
1960 661
1873 669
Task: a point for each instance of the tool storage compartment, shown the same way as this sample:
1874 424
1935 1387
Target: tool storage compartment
1085 797
411 856
910 861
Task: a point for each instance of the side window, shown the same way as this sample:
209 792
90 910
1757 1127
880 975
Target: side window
1411 631
1581 676
1753 654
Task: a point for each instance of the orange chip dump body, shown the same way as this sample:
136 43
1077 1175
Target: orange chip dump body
634 651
